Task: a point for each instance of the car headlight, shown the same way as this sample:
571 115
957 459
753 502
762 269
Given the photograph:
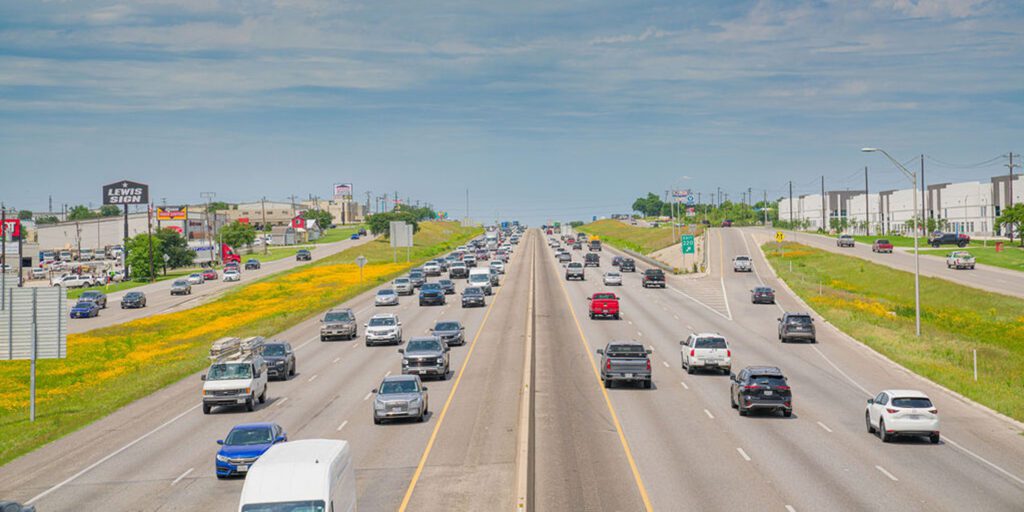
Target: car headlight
378 405
222 458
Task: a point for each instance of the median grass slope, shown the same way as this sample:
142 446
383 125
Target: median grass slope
875 304
110 367
643 240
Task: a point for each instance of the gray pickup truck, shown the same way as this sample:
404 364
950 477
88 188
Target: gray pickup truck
626 361
574 271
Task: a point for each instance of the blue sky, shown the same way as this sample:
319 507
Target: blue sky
544 110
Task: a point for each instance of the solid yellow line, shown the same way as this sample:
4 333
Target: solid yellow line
447 403
608 402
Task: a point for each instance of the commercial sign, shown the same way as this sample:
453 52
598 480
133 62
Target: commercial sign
125 192
342 190
681 196
11 228
172 213
298 222
687 243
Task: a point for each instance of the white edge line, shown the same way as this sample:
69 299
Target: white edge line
743 454
281 401
665 363
183 475
110 456
684 385
712 416
311 379
982 459
789 508
824 426
342 425
709 308
886 473
367 397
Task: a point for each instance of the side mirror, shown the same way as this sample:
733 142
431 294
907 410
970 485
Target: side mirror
600 351
649 351
202 377
220 441
399 324
374 390
462 328
401 351
732 376
590 298
366 325
280 439
778 319
447 349
424 388
871 401
682 342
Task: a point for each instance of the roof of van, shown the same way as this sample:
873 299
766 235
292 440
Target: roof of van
292 471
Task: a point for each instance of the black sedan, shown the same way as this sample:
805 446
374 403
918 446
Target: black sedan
303 255
447 285
252 264
762 295
133 300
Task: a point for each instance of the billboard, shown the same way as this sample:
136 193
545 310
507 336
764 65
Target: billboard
681 196
298 222
11 228
172 213
34 323
342 191
125 192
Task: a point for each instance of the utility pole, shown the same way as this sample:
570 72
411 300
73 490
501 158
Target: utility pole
750 198
78 238
292 197
764 207
263 207
791 204
867 207
824 226
467 206
1009 198
924 201
50 207
209 236
149 234
3 256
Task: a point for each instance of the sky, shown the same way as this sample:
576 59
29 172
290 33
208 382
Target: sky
542 110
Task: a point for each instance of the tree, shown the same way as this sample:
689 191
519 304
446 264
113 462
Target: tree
323 218
237 234
138 256
1012 217
650 206
24 215
80 212
380 223
48 219
217 206
110 210
176 248
576 223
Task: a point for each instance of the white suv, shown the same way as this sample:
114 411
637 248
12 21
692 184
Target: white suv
742 264
902 412
383 328
498 265
708 351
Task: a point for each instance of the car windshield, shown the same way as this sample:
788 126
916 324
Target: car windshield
604 296
387 291
383 321
711 343
801 320
274 350
742 258
133 295
286 506
415 274
445 282
431 287
446 326
89 295
180 283
398 386
654 273
625 351
84 304
338 316
402 281
612 274
473 291
883 241
767 380
196 275
229 371
762 289
575 264
423 345
246 436
912 402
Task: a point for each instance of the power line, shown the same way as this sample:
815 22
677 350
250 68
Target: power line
977 165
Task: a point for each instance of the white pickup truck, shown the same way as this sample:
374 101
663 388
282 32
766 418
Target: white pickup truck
960 259
742 264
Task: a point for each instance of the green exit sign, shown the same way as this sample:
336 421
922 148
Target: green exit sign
687 243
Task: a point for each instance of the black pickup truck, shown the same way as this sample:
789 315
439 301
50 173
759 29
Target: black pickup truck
957 239
654 277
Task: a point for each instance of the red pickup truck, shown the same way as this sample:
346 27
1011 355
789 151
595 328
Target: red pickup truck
604 304
881 245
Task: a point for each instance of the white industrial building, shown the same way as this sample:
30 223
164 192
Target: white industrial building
966 207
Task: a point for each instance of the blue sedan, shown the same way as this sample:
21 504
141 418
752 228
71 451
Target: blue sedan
355 236
244 445
85 309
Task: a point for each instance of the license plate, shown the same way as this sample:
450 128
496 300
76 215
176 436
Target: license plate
242 469
240 400
629 375
768 393
914 416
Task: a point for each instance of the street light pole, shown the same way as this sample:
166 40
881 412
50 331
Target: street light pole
917 254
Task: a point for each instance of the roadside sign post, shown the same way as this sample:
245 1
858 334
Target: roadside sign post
687 243
779 237
361 261
33 326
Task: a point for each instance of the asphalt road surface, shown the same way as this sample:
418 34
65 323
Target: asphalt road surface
160 300
984 277
678 446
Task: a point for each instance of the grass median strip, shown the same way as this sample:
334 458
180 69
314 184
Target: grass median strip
110 367
875 304
643 240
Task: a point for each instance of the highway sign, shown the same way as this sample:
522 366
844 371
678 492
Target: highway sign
686 241
361 261
779 237
690 200
34 323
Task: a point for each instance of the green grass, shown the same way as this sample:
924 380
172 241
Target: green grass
643 240
875 304
273 254
338 234
74 293
1012 256
110 367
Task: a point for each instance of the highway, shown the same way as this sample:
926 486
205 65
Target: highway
678 446
983 277
159 298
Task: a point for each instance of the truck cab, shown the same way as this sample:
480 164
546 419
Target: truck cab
237 375
594 245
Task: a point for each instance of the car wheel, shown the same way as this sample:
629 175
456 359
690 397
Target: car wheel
422 417
934 438
263 396
882 433
690 370
648 384
250 404
207 409
292 372
742 411
732 401
322 338
867 423
607 384
786 413
376 420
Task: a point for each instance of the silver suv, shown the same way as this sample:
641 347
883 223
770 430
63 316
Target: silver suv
403 286
338 323
400 396
384 328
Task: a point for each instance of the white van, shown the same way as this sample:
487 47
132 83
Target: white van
480 277
312 475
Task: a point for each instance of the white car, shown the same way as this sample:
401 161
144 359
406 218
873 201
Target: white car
706 351
612 279
498 265
383 328
38 273
196 278
431 268
902 412
232 275
385 297
742 264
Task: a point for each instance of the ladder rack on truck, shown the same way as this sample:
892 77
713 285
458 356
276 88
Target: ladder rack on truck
233 347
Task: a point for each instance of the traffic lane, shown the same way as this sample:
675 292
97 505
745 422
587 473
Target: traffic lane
159 298
472 464
974 431
967 482
984 277
653 420
186 392
579 460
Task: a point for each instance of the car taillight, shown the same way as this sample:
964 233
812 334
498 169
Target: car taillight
891 410
608 364
693 353
750 387
728 353
933 411
648 365
782 388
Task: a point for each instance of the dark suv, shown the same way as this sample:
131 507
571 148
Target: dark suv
280 358
796 326
957 239
303 255
760 387
654 277
591 260
627 265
